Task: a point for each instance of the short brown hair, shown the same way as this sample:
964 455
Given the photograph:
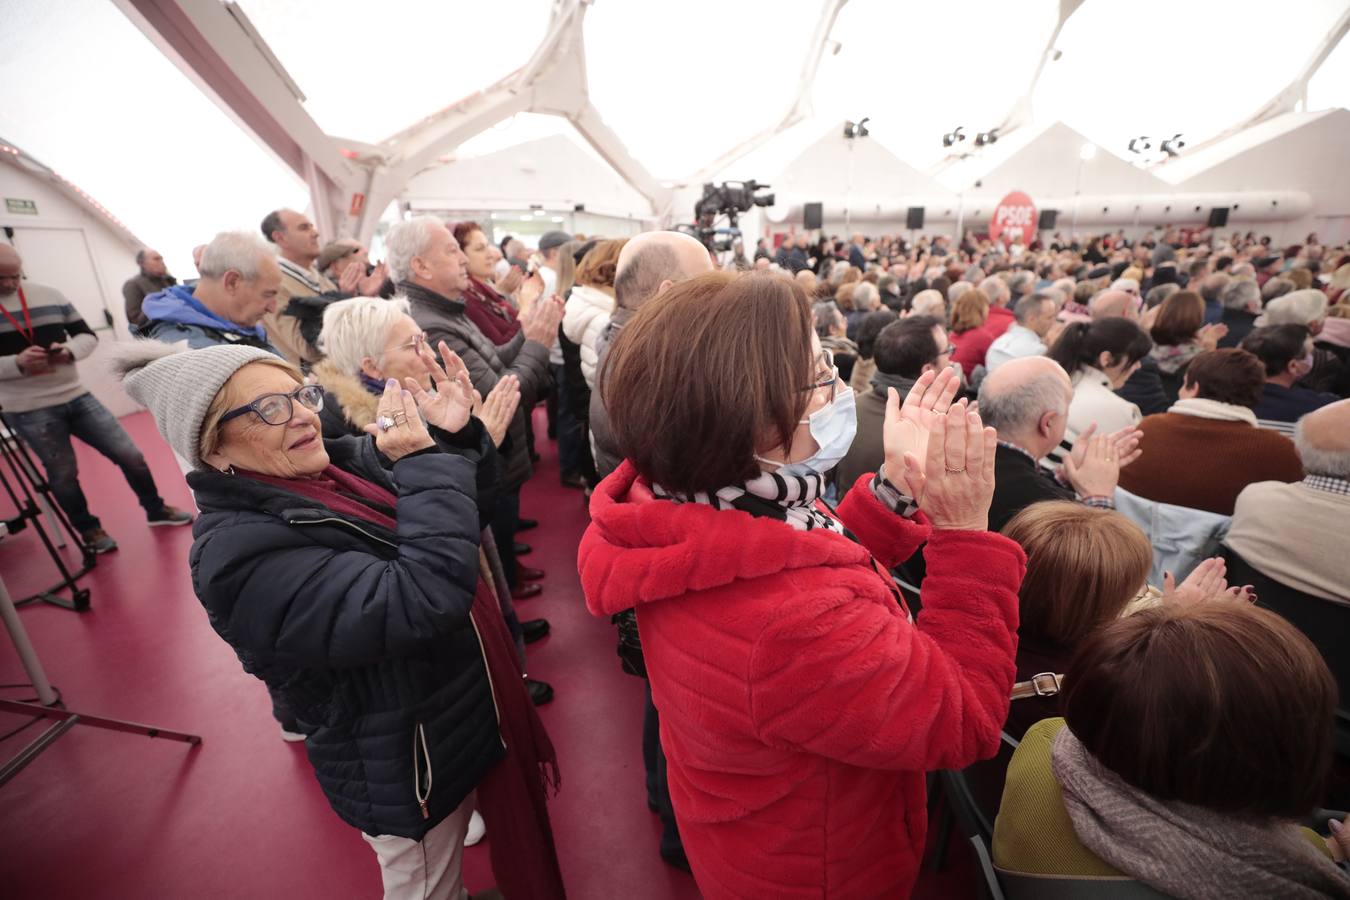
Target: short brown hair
1231 375
598 266
843 295
1219 704
1084 565
1179 318
970 310
707 372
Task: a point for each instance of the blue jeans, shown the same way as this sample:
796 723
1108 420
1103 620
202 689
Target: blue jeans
48 430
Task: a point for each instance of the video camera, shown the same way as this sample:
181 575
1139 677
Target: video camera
729 199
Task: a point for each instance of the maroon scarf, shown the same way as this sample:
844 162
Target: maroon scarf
486 309
513 794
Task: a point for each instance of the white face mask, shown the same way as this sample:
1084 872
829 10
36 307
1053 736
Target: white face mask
833 427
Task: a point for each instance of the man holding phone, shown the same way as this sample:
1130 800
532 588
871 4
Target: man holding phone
41 337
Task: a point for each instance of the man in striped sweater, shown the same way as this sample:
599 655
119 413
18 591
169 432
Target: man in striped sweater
41 337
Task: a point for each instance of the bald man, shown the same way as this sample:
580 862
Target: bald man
1144 388
1295 533
1027 401
648 265
41 337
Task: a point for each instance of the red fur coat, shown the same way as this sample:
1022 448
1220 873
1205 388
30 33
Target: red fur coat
800 708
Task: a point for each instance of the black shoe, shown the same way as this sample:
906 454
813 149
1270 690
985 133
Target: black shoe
535 629
170 515
98 541
525 573
541 692
526 591
523 549
572 480
677 859
526 524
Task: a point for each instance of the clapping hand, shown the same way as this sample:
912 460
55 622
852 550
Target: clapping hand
907 426
1210 335
449 406
541 322
350 279
531 289
398 429
1207 582
496 411
1098 472
508 283
1124 442
370 285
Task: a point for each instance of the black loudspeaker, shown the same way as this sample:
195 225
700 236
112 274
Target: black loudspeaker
1047 220
1218 217
914 220
813 215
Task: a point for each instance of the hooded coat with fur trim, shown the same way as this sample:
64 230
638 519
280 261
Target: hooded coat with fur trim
800 706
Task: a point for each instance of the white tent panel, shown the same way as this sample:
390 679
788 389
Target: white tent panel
682 82
1159 67
92 98
921 69
551 172
1330 87
1052 165
368 72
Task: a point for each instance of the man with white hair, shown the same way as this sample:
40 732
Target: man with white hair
41 337
1027 402
928 303
430 269
1295 533
1241 300
238 288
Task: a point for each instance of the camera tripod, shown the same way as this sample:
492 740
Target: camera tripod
49 705
32 487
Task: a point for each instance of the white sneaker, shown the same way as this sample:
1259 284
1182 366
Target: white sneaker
291 737
477 830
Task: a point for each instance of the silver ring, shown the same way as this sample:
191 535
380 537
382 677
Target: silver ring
384 423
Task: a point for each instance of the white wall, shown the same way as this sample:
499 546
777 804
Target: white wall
91 274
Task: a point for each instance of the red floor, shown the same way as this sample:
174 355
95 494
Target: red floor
110 815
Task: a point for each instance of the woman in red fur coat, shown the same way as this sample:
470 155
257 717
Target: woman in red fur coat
800 702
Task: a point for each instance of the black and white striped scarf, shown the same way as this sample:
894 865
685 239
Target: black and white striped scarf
787 498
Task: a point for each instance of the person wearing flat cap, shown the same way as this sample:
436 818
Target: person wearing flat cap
346 574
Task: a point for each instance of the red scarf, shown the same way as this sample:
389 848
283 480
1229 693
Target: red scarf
513 794
486 309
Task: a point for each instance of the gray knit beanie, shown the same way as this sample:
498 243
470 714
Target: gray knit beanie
177 385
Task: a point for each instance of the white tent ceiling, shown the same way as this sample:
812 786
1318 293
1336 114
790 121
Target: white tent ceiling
657 90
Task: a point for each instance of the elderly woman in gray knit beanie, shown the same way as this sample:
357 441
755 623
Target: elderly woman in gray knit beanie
346 574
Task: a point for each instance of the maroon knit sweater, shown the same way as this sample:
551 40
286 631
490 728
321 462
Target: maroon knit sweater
1205 463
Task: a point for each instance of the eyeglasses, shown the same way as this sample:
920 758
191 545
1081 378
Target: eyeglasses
831 380
277 409
415 345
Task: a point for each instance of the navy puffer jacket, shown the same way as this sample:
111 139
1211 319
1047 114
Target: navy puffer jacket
365 632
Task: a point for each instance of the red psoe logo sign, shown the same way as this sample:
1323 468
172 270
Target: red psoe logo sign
1014 220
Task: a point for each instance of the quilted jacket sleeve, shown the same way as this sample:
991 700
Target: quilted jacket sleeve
856 682
890 538
280 596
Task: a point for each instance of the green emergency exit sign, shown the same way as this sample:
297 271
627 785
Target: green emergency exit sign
20 207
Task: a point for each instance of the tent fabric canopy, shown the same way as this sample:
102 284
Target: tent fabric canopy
676 84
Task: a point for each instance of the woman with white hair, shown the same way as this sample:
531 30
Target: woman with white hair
1309 307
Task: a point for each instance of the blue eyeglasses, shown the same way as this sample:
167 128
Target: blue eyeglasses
277 409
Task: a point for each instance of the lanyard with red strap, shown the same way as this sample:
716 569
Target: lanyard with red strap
26 329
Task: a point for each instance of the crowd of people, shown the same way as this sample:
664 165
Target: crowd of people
849 499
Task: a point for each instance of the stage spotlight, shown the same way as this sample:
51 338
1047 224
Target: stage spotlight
984 138
857 130
1172 146
954 137
1140 144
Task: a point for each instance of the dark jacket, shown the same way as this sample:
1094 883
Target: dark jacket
1289 404
1240 324
175 315
1145 388
444 319
137 288
364 632
607 455
1018 483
